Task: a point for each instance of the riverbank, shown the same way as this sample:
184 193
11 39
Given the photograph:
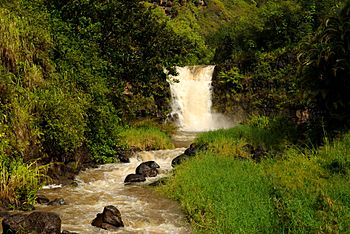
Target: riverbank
21 193
255 179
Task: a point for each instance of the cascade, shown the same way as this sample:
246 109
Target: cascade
191 100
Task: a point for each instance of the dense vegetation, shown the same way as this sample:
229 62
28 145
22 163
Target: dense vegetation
73 75
77 76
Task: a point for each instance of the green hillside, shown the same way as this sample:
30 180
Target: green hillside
82 81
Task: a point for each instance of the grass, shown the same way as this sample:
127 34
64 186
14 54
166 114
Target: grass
230 142
146 138
312 188
292 190
222 195
20 182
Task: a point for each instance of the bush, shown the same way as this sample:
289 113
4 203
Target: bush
20 182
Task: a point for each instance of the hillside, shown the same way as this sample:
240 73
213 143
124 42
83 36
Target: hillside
75 74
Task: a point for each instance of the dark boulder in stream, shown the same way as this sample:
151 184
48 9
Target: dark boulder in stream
36 222
109 219
41 199
189 152
134 178
57 202
148 169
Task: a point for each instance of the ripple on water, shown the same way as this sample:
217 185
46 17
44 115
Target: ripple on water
143 210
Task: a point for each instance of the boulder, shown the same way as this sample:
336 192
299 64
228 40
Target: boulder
195 148
189 152
41 199
179 159
57 202
109 219
68 232
148 169
36 222
256 153
134 178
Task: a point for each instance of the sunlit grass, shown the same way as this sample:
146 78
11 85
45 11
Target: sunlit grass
223 195
311 188
19 182
146 138
294 189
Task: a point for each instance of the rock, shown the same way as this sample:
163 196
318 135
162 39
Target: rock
134 178
195 148
189 152
36 222
123 159
124 154
57 202
74 184
179 159
256 153
68 232
41 199
109 219
148 169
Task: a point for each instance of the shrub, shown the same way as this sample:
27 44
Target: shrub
20 182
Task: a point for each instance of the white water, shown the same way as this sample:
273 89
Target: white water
142 209
191 100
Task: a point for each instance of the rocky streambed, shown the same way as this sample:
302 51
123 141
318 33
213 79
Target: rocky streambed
142 210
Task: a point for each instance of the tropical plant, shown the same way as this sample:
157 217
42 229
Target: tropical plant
325 68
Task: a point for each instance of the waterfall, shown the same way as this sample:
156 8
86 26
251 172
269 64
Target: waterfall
191 100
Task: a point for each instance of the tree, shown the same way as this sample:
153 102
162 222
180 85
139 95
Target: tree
326 68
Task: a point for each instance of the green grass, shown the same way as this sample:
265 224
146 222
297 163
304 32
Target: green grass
146 138
20 182
312 188
292 190
230 141
223 195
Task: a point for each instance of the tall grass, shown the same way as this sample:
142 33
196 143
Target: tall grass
223 195
230 141
312 187
293 189
20 182
146 138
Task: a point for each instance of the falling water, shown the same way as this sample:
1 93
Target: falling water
191 100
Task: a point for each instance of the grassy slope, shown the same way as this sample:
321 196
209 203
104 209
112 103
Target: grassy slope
296 191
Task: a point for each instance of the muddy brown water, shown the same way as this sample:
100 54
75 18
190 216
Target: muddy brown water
143 210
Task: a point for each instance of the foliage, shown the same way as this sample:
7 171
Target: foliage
325 69
267 85
136 48
20 182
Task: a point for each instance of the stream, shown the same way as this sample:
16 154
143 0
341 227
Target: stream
143 210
